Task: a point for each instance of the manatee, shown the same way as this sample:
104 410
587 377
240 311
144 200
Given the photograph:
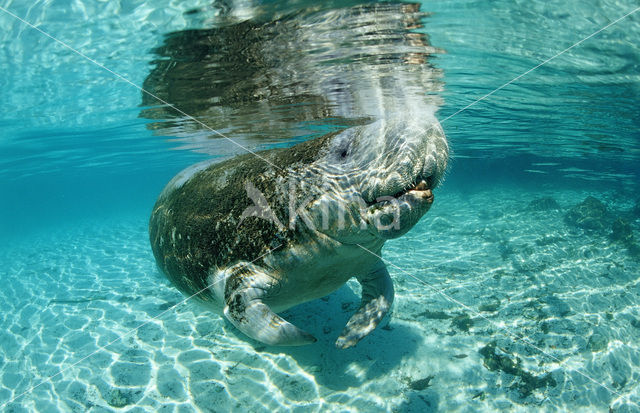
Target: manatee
260 233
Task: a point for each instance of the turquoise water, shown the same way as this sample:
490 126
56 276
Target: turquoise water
509 294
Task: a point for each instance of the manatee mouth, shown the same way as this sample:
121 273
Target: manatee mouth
422 188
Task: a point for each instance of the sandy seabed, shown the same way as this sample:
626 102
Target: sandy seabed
502 302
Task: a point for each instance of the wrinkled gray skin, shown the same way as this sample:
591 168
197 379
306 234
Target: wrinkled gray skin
329 201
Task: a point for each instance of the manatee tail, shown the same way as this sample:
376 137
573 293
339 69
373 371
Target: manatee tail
244 291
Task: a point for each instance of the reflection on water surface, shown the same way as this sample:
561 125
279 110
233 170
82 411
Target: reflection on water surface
273 80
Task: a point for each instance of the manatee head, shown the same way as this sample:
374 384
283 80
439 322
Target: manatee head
377 179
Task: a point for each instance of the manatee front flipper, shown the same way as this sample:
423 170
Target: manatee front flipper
244 291
377 297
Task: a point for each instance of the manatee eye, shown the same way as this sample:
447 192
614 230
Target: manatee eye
343 154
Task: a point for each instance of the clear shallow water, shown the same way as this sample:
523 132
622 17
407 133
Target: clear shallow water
81 168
